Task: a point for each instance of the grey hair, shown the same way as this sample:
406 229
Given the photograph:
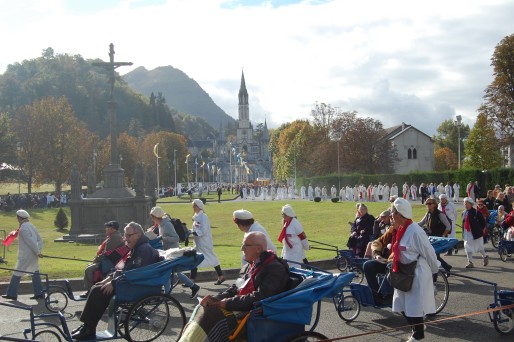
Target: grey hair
136 227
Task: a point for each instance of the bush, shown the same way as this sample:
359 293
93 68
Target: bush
317 199
335 199
61 220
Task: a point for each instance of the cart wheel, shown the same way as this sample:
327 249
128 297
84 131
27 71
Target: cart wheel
308 336
56 301
341 263
495 237
348 308
47 335
503 321
153 316
503 253
360 275
441 291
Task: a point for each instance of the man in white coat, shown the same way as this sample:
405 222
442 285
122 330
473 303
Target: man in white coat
310 192
246 223
30 246
456 192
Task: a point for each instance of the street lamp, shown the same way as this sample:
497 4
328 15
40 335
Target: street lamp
336 136
458 123
18 149
175 165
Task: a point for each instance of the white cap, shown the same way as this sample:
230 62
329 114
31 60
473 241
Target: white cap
403 207
242 214
469 200
288 210
157 212
198 203
23 214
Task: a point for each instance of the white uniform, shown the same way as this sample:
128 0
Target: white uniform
297 250
30 245
456 192
256 227
419 301
203 241
451 213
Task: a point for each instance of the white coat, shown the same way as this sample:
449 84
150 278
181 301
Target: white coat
451 213
297 251
420 300
256 227
203 239
30 245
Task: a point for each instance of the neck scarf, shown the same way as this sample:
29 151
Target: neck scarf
397 237
11 237
466 223
283 234
249 286
102 247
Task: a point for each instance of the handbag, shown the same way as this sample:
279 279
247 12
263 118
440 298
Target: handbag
403 279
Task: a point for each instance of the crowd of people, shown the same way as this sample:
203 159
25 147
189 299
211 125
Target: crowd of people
34 201
393 237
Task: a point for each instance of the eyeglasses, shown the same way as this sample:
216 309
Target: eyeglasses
126 236
429 203
245 245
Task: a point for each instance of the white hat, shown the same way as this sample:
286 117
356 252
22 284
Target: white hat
441 196
198 203
288 210
157 212
23 214
242 214
403 207
469 200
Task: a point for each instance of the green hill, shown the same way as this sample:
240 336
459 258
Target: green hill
181 92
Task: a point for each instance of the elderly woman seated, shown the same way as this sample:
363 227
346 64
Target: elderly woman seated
264 276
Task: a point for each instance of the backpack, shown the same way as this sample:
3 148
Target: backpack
180 228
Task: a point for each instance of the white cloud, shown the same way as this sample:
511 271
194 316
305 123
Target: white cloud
418 62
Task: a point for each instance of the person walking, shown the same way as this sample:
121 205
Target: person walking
293 237
473 225
30 247
202 235
409 244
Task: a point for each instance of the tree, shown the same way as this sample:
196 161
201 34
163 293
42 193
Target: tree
52 139
61 220
448 136
482 147
499 95
445 159
7 140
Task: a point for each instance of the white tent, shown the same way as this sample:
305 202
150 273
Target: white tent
5 166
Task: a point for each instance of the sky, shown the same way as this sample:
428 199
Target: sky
418 62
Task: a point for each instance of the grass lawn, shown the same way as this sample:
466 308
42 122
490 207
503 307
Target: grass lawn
325 222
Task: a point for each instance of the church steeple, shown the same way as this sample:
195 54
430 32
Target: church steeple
244 109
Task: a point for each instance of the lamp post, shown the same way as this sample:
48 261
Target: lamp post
336 136
18 149
175 165
294 185
458 123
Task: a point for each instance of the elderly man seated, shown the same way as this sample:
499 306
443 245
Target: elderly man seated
140 254
264 276
108 255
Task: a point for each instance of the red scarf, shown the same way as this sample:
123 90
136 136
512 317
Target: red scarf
466 223
283 234
11 237
397 237
249 286
102 247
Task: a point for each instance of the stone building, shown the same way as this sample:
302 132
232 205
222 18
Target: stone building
415 149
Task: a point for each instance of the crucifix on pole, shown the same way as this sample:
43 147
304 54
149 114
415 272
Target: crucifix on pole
113 174
111 66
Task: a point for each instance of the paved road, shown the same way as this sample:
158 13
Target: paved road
466 296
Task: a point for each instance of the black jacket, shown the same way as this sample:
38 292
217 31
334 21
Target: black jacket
476 222
270 280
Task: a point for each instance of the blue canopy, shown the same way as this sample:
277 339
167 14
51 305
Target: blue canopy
159 273
295 306
442 244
